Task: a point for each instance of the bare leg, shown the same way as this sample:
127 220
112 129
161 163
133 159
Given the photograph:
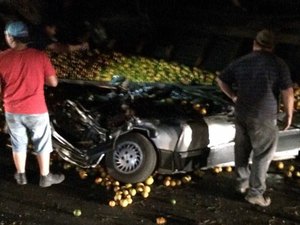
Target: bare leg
44 163
20 161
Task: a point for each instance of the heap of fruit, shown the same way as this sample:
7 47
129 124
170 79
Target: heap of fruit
98 66
94 65
124 194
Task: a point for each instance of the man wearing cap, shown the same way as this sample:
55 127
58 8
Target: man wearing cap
23 73
254 83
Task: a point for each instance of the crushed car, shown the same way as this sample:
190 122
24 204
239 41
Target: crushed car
136 129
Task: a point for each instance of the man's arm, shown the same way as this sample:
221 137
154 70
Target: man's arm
62 48
51 80
57 48
80 47
227 90
288 103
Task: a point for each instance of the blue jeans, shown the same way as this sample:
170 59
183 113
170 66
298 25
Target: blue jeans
36 126
260 138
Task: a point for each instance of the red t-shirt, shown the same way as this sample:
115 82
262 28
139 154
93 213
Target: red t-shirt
23 74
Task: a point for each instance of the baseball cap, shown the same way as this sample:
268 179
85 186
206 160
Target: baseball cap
265 38
17 29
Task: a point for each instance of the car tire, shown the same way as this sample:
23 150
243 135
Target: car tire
132 160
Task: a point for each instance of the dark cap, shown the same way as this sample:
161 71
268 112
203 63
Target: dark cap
17 29
265 38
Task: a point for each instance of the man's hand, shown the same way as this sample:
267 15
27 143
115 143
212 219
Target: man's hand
287 121
227 90
234 99
85 46
288 102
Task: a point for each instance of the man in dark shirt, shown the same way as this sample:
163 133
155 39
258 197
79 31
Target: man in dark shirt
44 38
259 78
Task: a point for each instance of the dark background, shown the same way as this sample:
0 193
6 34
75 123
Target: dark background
205 33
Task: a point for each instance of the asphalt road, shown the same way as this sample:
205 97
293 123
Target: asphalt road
205 200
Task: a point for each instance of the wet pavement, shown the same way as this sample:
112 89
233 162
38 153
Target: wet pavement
209 199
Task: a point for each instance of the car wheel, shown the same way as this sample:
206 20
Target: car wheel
133 159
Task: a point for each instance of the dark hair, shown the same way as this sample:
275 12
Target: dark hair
49 22
24 40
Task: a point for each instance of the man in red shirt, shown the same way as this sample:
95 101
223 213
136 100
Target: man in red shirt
23 73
